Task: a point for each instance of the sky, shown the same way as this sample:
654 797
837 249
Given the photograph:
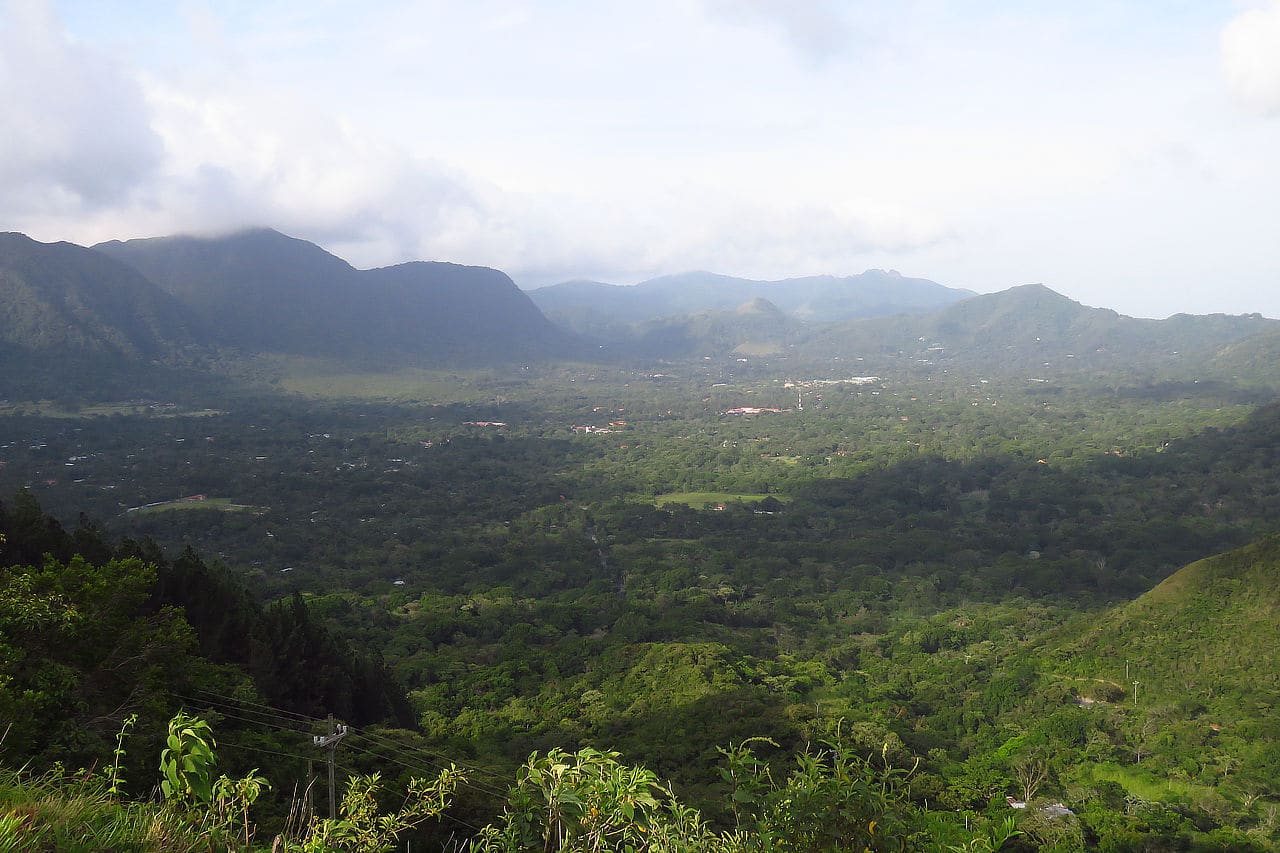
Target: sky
1126 154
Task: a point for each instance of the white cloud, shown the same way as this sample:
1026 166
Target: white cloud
244 155
1251 57
74 128
245 148
983 147
686 226
818 29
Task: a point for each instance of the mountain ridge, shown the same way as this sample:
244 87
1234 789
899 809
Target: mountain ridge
823 298
1034 329
263 291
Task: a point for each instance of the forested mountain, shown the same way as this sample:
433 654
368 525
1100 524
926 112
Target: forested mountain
1034 329
258 290
77 325
64 300
891 323
179 299
592 307
261 291
1251 357
465 314
754 328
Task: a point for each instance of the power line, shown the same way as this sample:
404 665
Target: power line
265 750
277 711
214 699
429 769
422 750
257 722
428 756
211 701
431 757
345 769
272 717
280 719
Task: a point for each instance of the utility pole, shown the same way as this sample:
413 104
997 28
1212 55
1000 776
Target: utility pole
329 743
1135 692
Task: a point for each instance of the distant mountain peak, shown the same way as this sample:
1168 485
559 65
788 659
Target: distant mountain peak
760 305
612 313
255 245
1038 289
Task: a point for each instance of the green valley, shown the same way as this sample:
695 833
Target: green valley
902 574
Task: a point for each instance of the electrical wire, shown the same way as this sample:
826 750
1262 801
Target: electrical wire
250 707
275 718
257 722
434 769
431 757
228 743
277 711
429 754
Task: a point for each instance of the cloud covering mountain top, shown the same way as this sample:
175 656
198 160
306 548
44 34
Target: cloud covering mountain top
1122 153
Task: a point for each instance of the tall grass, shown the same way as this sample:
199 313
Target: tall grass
1149 787
56 811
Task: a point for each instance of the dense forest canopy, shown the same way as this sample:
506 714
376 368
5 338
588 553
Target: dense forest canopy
575 557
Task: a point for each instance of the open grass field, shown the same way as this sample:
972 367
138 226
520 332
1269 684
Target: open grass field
322 379
1147 786
406 385
182 504
50 409
702 500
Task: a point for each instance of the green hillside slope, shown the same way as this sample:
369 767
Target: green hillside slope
1034 330
1208 633
65 299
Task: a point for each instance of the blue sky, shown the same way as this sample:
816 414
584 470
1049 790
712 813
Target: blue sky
1124 154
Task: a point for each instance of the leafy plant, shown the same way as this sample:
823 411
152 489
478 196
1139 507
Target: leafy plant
230 805
590 801
361 829
187 762
990 839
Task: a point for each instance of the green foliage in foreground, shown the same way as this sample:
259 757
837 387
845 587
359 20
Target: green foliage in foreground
62 812
834 798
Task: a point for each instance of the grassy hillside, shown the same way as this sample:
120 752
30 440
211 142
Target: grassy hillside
1208 634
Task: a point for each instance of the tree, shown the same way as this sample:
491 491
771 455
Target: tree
1030 772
